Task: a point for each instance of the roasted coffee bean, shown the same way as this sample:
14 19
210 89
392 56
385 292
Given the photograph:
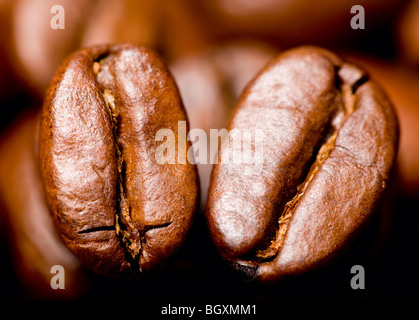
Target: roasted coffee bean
408 35
85 23
35 48
35 244
325 22
117 209
330 138
28 27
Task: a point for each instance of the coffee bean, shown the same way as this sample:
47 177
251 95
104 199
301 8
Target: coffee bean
116 208
330 142
35 49
35 245
325 22
407 31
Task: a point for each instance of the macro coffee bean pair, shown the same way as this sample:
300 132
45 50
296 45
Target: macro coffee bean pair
330 142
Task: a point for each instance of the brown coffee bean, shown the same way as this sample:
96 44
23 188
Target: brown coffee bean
321 22
330 139
9 82
408 33
36 49
87 23
35 244
116 208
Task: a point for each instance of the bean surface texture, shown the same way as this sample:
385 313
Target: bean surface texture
330 138
114 205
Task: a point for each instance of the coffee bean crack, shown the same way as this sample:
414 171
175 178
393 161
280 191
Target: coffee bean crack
129 234
347 82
